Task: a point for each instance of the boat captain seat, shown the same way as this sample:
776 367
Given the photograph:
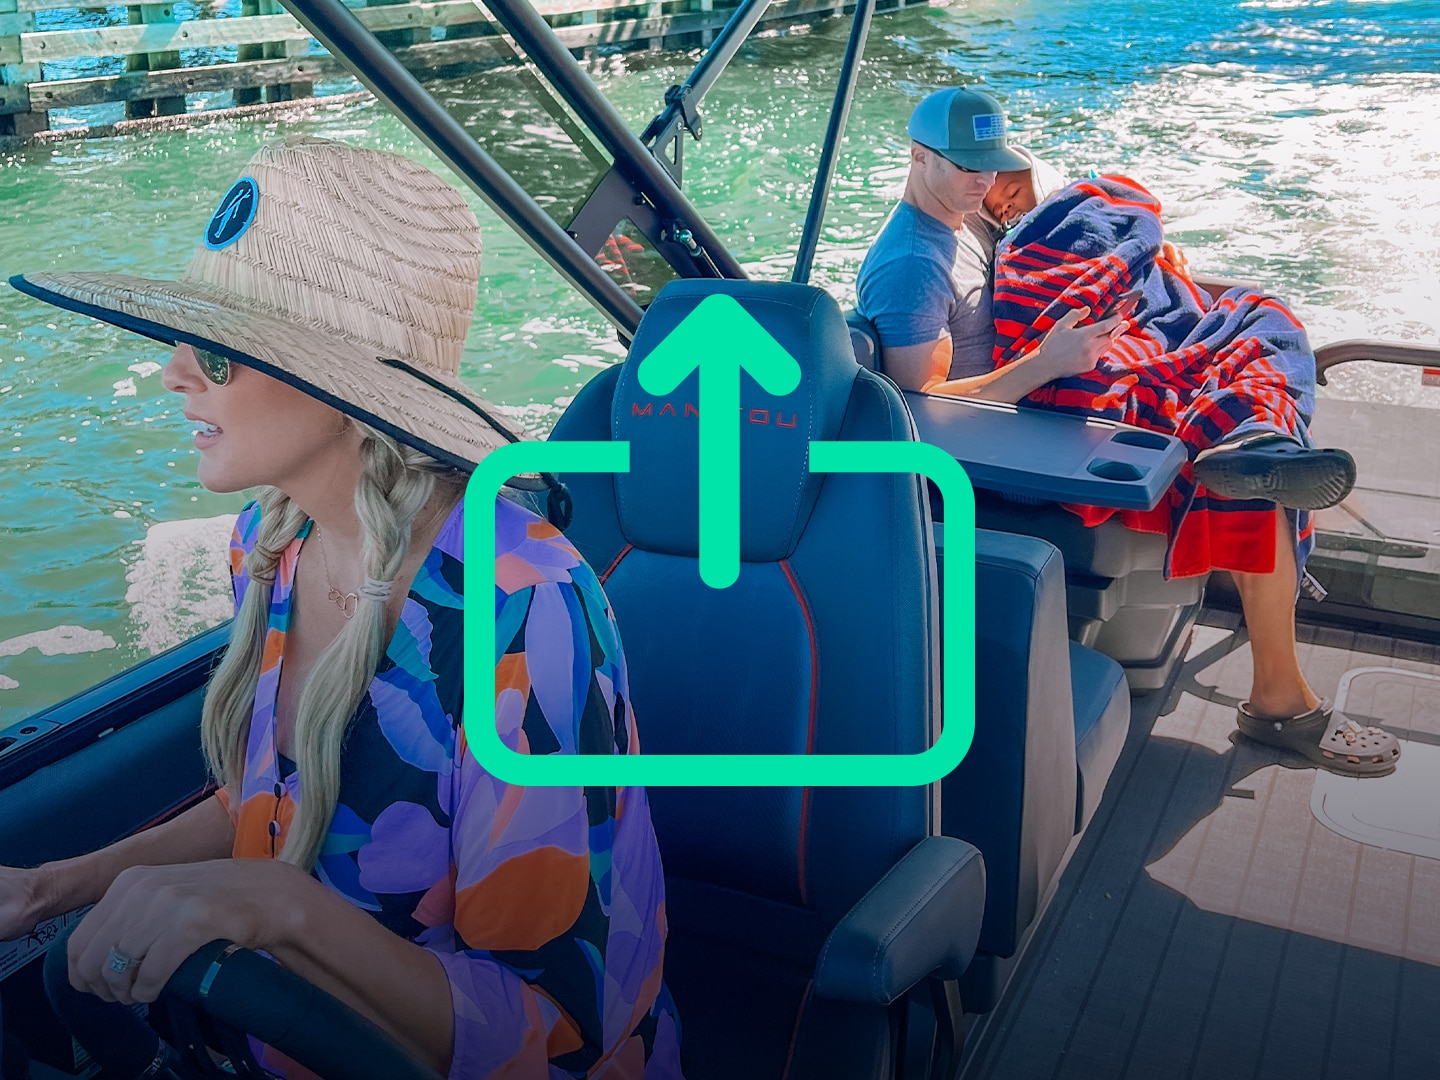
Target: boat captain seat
830 925
1119 602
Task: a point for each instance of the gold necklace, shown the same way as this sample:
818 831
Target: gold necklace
346 602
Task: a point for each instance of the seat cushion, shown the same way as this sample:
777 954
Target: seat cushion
1109 550
1011 796
1102 719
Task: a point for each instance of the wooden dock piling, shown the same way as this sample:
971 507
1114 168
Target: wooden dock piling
16 117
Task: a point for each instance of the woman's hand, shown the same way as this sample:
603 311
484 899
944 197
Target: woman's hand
22 901
156 916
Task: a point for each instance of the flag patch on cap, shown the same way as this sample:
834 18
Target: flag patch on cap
234 214
988 126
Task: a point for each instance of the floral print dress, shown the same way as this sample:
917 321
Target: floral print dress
544 905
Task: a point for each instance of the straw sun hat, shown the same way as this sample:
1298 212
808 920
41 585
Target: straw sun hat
350 274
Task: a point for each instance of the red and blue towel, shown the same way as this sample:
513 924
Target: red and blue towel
1202 372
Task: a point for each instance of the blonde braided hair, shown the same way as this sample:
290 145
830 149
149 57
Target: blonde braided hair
396 482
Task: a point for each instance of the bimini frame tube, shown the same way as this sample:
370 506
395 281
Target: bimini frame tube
335 27
726 44
844 94
717 57
632 158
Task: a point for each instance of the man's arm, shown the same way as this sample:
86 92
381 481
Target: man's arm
918 367
1063 351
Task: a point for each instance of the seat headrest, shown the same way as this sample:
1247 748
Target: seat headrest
658 500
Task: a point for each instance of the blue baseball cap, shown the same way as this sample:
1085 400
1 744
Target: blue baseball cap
966 127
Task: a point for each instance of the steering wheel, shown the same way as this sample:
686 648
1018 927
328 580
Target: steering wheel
244 993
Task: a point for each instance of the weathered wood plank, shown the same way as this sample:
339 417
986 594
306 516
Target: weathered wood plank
411 17
48 45
116 8
585 35
57 5
134 86
571 7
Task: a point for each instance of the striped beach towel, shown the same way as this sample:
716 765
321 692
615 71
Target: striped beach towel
1202 372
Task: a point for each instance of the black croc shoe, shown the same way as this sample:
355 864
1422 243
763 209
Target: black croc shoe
1279 469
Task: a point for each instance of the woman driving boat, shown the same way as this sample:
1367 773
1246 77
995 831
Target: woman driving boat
491 929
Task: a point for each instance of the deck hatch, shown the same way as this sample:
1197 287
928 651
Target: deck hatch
1401 814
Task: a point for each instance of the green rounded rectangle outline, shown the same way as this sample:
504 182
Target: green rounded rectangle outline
723 770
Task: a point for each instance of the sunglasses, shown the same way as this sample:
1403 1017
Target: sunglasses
961 168
216 368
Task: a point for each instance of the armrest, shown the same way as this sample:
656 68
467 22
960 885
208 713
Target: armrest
1050 456
921 919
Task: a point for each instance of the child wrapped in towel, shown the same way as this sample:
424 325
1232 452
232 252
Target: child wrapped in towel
1240 371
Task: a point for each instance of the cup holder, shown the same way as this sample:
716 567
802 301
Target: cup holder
1116 470
1149 440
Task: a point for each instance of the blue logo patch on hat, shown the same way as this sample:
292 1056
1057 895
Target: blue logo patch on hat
234 215
989 126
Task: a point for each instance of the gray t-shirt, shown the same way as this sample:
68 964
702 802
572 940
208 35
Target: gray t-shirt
922 279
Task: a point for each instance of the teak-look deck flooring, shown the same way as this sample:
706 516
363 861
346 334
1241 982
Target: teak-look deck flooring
1209 926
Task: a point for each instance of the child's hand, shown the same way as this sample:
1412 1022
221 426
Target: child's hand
1176 258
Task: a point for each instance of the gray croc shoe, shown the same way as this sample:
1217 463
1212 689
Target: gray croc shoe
1333 741
1276 468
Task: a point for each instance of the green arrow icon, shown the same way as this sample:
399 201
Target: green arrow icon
719 339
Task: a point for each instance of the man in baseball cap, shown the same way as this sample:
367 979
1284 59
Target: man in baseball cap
925 283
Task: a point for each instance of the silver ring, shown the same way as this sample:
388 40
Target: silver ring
120 963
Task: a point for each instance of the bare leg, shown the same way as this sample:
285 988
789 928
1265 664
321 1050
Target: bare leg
1268 600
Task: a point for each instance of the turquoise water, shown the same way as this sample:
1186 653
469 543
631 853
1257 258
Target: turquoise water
1291 143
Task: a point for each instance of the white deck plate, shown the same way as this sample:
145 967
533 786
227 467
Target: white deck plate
1402 814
